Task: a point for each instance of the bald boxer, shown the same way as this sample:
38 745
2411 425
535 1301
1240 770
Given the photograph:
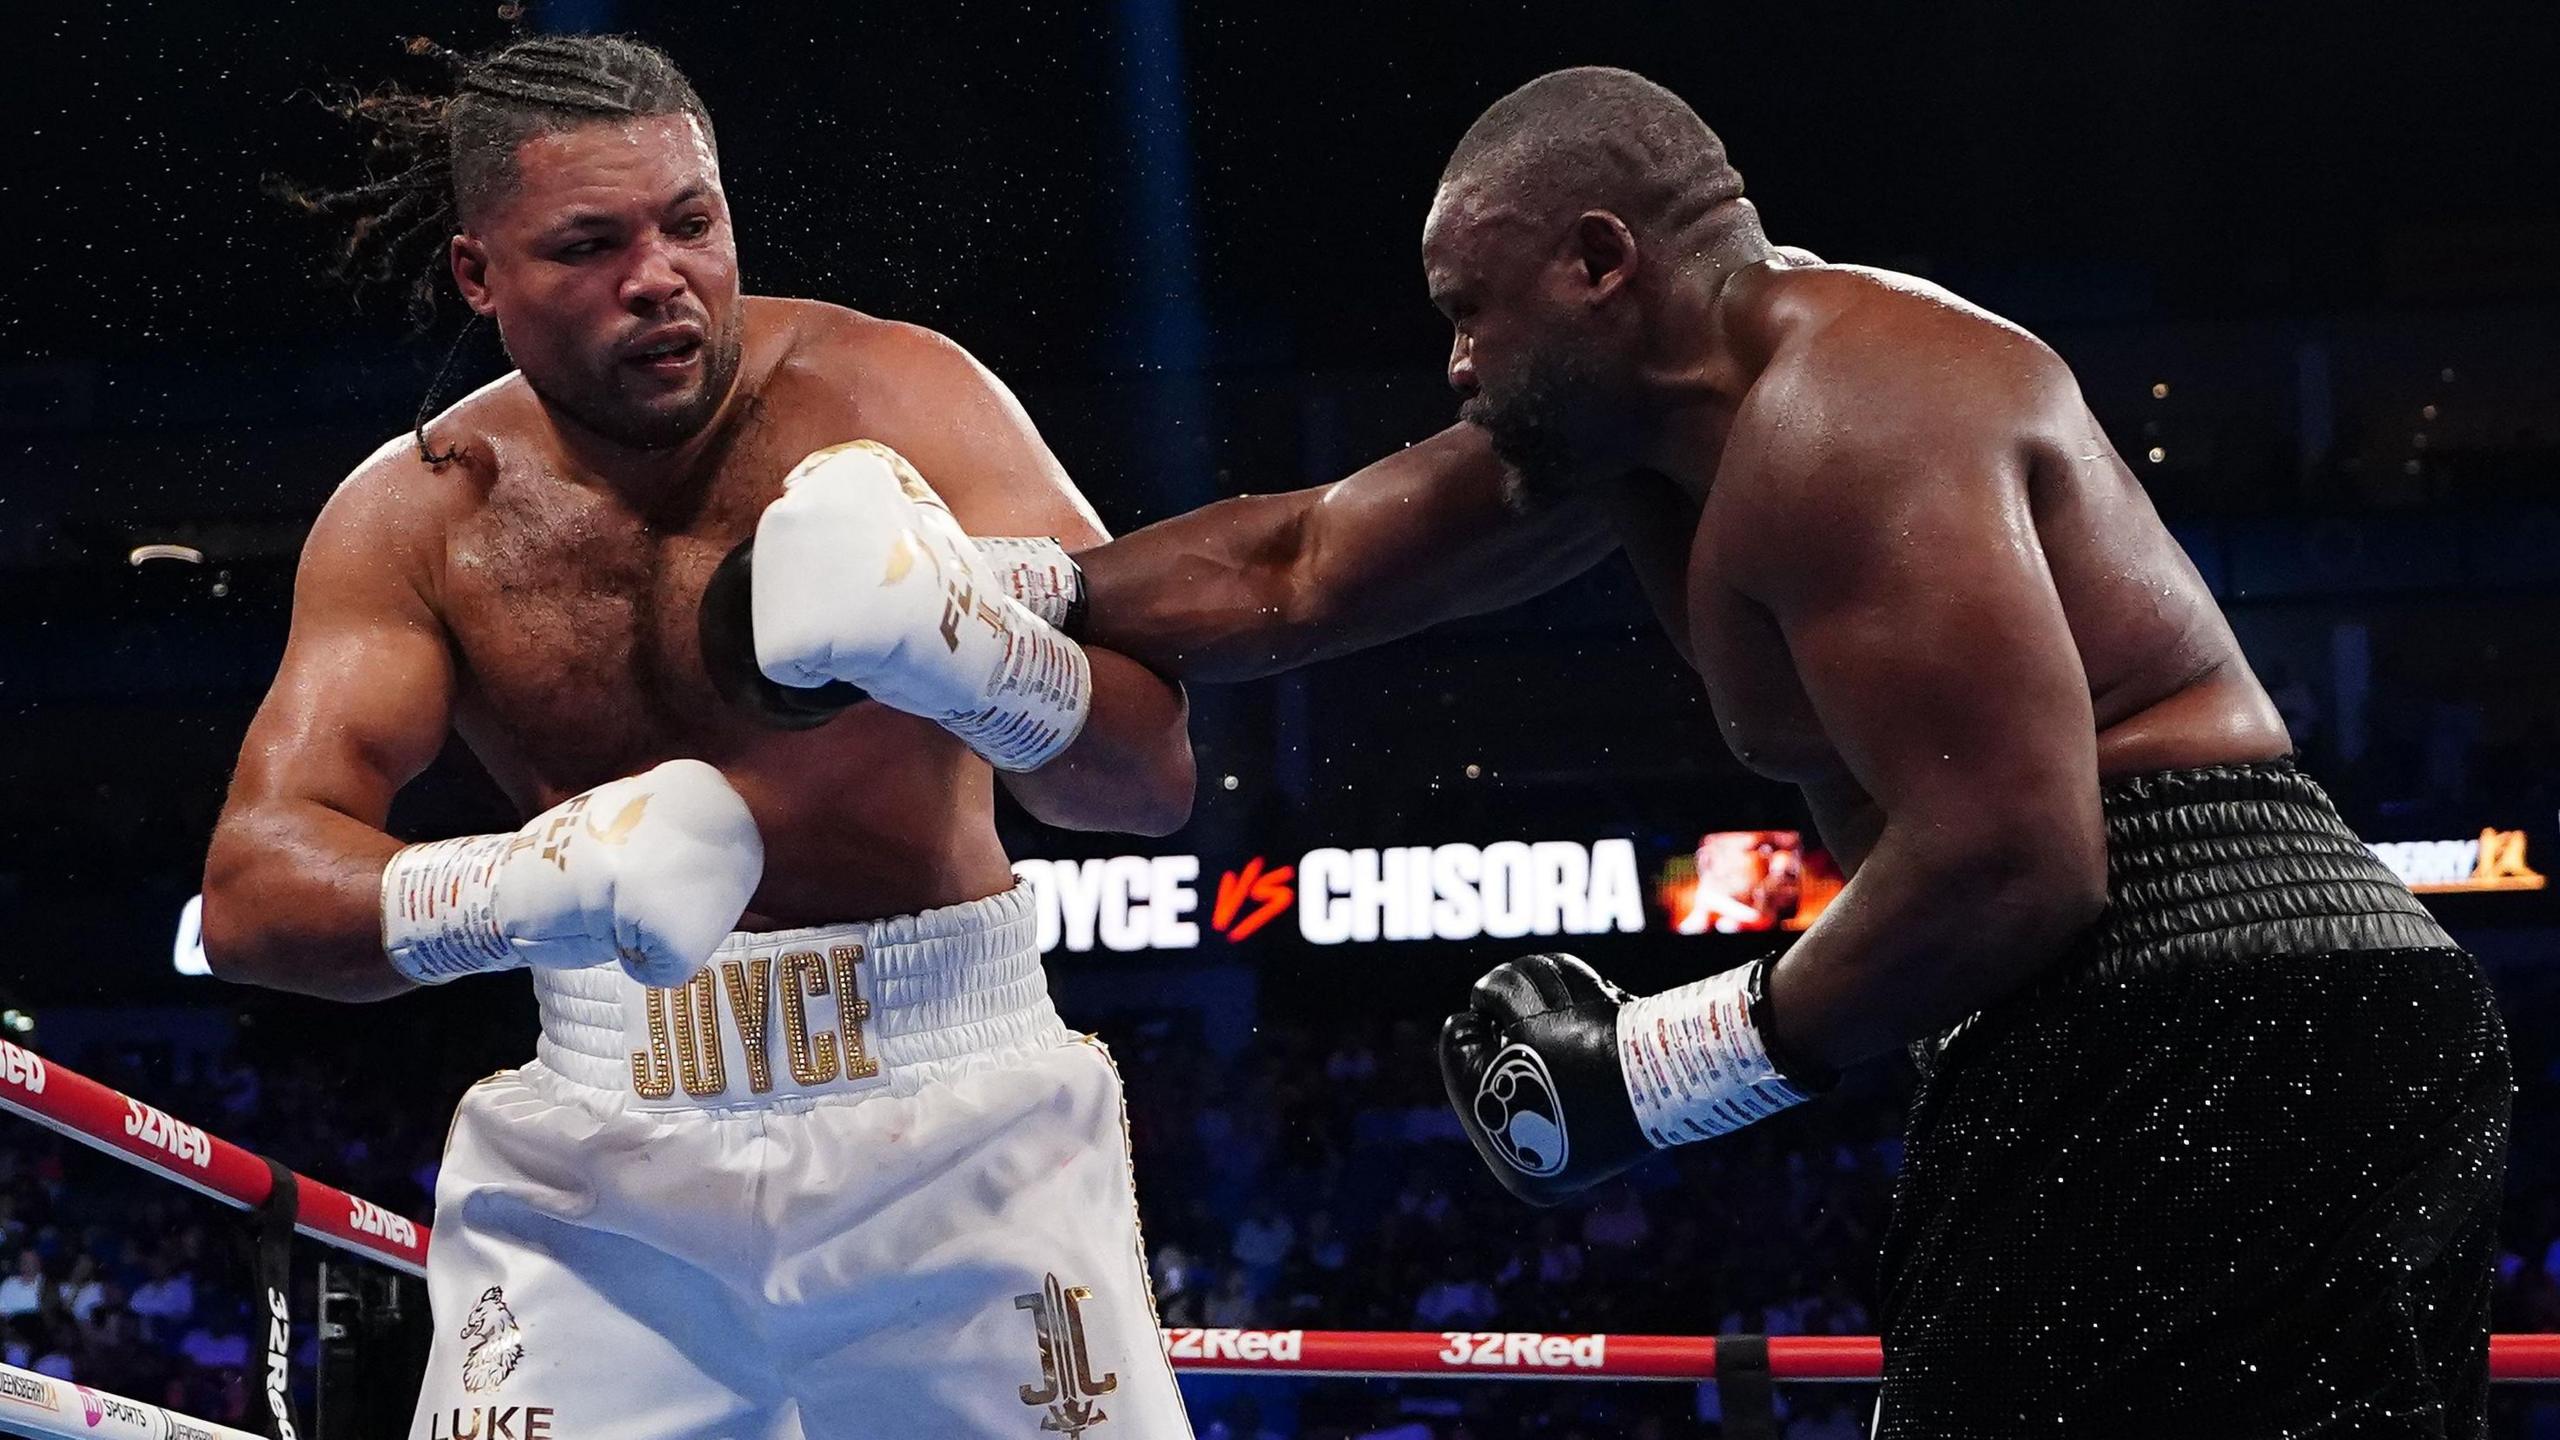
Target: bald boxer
805 1150
2213 1115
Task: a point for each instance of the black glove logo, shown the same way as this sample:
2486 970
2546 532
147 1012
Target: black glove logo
1517 1108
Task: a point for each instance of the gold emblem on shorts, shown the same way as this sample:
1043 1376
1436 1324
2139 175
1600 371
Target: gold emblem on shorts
1067 1386
497 1343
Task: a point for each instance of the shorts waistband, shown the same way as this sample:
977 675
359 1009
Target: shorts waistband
2239 860
2220 862
829 1010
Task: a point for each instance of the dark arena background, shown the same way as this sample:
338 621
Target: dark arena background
2304 260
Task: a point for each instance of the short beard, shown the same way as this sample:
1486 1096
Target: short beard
633 428
1534 425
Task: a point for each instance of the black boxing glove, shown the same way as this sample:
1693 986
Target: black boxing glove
1532 1067
1561 1080
726 628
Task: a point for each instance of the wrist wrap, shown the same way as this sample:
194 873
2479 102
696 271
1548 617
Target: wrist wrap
1697 1063
439 909
1039 572
1038 700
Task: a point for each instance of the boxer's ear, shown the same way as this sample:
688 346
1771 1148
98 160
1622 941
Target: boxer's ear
470 261
1604 253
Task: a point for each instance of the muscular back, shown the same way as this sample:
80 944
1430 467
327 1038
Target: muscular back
1910 480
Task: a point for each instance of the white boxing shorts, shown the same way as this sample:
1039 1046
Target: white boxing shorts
850 1183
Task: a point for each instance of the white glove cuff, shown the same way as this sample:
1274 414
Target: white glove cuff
1037 702
1696 1065
1037 571
439 909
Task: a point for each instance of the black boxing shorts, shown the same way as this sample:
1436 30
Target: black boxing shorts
2231 1169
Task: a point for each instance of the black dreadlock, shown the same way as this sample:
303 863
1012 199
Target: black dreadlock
434 160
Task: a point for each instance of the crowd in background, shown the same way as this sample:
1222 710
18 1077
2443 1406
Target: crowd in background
2345 409
131 1285
1312 1179
1319 1180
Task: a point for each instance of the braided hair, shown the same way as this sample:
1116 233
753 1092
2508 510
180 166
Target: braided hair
437 157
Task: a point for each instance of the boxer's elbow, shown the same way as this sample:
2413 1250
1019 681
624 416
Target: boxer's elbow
2026 895
1132 770
2069 877
1948 914
1163 803
1151 817
1169 777
1134 790
1148 798
237 947
260 928
1118 811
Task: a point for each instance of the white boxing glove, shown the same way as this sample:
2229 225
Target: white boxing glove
651 871
862 575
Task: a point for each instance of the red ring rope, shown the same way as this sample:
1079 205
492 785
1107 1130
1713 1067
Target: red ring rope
1532 1355
109 1120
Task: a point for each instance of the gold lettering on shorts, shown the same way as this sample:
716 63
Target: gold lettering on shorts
698 1061
851 1011
751 1001
813 1057
653 1071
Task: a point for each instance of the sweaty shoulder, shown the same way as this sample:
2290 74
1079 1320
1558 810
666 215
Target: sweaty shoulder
393 512
1877 343
844 354
920 392
1880 399
1861 363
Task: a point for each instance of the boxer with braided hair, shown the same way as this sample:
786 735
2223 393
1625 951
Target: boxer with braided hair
805 1150
436 158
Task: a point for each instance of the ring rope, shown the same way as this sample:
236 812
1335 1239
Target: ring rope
108 1120
33 1404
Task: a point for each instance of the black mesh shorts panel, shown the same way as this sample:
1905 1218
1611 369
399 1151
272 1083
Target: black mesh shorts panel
2195 1186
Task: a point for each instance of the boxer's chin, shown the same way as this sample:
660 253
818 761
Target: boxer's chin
1544 470
1539 480
649 422
1546 423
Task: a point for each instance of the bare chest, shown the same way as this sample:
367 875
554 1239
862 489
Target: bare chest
575 621
1762 712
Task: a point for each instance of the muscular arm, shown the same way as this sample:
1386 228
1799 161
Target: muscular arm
1264 583
1131 769
1914 598
360 705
